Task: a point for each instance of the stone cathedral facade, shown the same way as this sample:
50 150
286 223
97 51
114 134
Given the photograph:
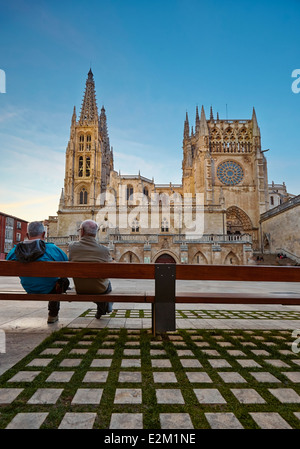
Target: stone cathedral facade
224 191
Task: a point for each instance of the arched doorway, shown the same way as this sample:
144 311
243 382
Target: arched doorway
165 258
231 259
237 221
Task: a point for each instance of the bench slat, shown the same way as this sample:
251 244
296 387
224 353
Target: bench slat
147 271
189 298
119 297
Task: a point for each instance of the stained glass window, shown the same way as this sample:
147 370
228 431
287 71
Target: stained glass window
230 173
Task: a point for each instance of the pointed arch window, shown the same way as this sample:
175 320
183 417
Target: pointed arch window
135 226
88 144
83 196
129 192
164 225
80 167
88 166
81 140
146 191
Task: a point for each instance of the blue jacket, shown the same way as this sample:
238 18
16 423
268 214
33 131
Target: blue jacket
41 284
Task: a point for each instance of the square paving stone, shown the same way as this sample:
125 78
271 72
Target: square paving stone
105 352
269 420
132 352
70 362
276 363
78 421
157 352
231 377
236 353
209 396
51 351
285 395
40 362
87 396
248 363
27 421
45 396
130 376
175 337
211 352
294 376
24 376
169 396
8 395
185 352
260 352
128 396
101 363
131 363
219 363
126 421
60 376
95 376
164 377
198 376
248 396
175 421
190 363
79 351
223 421
265 377
161 363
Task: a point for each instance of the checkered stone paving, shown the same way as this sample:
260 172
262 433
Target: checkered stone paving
127 379
205 314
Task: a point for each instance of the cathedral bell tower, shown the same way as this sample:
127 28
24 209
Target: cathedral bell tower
88 154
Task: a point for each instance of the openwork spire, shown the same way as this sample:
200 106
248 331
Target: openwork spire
89 110
186 131
103 129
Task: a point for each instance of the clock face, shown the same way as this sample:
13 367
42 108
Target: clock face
230 173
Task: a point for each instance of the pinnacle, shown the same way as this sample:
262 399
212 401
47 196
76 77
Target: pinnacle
89 110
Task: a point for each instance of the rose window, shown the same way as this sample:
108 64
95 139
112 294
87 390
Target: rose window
230 173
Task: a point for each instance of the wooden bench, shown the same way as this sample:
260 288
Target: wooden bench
165 297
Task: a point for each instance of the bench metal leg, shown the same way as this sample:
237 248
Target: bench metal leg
163 309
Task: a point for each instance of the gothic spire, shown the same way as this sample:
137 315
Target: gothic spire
256 131
103 130
197 120
211 113
74 115
186 132
89 110
203 123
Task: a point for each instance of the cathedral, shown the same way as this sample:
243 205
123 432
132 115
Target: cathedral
212 217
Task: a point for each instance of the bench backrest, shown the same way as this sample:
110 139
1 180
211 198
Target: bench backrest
148 271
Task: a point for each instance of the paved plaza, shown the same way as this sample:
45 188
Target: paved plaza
225 367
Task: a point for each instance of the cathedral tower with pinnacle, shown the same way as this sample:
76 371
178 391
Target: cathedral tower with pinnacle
89 161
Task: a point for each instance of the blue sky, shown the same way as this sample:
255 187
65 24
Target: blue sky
153 61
